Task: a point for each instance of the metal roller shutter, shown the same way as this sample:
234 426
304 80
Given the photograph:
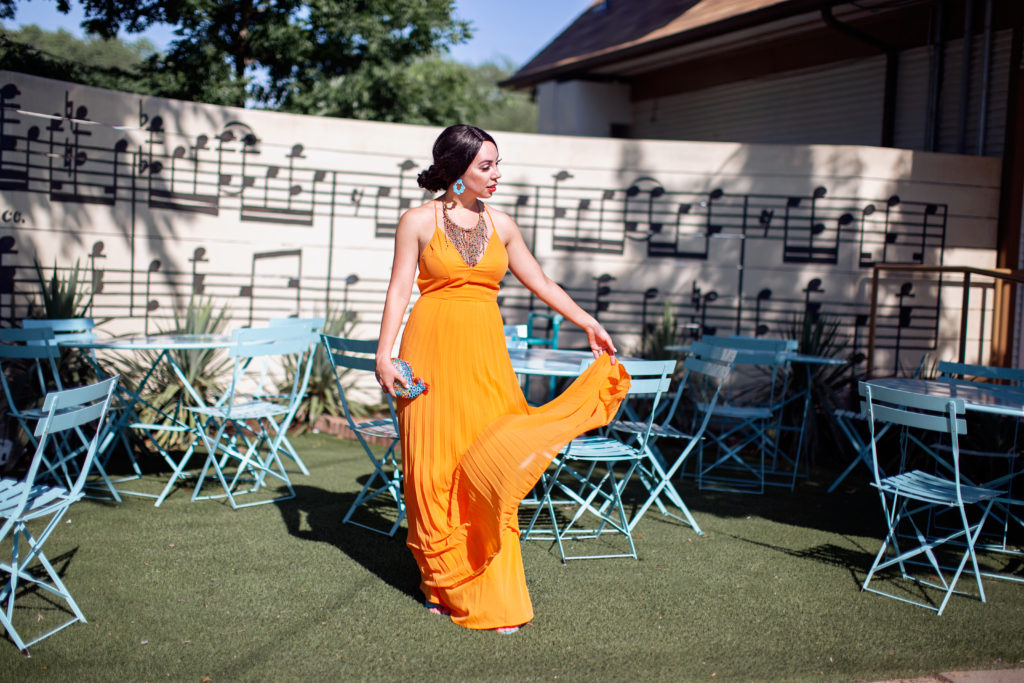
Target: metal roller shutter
835 104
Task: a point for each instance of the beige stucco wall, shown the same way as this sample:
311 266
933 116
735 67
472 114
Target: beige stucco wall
279 222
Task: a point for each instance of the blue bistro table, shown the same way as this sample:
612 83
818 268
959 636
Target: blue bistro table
810 364
166 346
978 397
549 362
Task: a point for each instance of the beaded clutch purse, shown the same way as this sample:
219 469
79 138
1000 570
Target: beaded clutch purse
411 386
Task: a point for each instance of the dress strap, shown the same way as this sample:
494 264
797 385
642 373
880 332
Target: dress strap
488 212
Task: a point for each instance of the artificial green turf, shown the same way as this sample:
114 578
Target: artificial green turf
197 591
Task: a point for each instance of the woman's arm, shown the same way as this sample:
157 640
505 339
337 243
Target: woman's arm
403 272
525 267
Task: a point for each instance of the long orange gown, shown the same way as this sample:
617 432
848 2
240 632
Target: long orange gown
471 447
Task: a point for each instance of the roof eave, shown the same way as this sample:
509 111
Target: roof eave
782 10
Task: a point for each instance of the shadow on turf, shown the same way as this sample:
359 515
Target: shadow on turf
323 510
42 600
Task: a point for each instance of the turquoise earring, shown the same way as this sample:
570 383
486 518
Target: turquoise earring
459 187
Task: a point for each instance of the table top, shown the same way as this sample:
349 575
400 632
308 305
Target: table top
977 396
791 356
159 342
550 362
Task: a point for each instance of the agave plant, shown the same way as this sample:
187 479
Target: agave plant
204 369
665 333
322 393
63 298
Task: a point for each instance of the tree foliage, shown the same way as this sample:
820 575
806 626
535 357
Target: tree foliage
111 64
276 53
381 60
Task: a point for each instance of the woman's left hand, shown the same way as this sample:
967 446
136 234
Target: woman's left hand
600 341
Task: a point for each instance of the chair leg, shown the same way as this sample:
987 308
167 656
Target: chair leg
926 546
52 584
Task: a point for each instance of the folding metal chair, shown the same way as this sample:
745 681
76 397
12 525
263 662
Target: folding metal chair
747 417
585 476
36 500
386 478
28 371
515 336
251 450
853 425
996 453
315 326
542 330
909 496
704 372
82 330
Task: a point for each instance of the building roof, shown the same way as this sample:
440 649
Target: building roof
610 30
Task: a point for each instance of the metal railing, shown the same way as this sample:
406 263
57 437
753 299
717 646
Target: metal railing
1003 299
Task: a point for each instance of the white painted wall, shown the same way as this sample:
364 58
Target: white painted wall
276 226
582 107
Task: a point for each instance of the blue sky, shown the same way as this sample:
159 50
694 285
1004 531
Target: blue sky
517 29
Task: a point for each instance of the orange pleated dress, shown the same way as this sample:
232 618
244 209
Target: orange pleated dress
472 448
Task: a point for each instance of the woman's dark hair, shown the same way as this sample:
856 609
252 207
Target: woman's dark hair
454 150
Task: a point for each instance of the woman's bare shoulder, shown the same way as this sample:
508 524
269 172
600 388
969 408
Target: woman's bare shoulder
503 223
420 219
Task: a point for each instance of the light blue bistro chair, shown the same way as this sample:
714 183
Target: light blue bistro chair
853 425
33 506
28 371
75 330
1005 457
242 433
909 497
584 475
385 482
270 392
746 423
515 336
542 329
704 372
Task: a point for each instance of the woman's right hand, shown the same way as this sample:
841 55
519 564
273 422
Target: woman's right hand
387 374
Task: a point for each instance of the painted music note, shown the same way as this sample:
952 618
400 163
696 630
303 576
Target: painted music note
860 321
865 258
198 284
904 320
151 304
690 237
764 221
590 228
292 282
929 210
163 195
812 308
386 227
97 273
706 301
645 327
808 243
760 328
601 291
11 176
279 203
7 271
890 235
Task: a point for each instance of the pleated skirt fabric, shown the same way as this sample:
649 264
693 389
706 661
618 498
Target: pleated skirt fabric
472 448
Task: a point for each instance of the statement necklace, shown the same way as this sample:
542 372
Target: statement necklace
469 242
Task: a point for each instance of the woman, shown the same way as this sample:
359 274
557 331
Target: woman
471 447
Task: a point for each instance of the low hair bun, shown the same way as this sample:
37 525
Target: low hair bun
431 179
